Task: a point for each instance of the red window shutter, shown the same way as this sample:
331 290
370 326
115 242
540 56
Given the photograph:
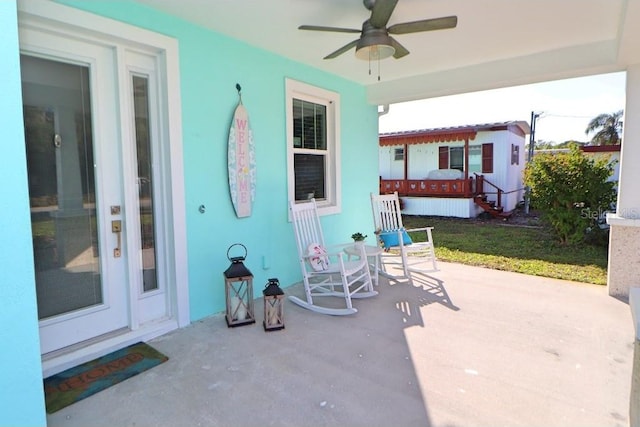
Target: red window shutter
487 158
443 158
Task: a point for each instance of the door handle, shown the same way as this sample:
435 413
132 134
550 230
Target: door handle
116 227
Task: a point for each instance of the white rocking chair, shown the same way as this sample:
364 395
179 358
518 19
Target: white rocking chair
325 272
393 238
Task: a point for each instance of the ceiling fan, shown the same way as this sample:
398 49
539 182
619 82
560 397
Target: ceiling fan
374 41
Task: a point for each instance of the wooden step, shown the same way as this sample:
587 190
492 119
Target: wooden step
490 207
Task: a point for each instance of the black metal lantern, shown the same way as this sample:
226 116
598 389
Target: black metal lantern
238 284
273 306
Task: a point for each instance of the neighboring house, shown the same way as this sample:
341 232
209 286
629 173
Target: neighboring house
609 152
457 171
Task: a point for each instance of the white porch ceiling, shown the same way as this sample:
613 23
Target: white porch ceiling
497 43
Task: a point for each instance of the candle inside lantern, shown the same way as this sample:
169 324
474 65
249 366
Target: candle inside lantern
273 298
238 309
272 314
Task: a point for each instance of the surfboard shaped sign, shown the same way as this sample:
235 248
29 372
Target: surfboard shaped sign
241 163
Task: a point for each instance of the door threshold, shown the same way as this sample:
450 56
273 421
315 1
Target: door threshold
68 357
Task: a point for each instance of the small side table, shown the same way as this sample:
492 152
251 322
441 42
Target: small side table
373 257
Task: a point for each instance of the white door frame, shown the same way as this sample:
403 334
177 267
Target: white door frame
125 38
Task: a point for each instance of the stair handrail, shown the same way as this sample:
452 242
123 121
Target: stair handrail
499 190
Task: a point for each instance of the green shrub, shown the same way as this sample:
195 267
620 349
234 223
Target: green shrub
572 193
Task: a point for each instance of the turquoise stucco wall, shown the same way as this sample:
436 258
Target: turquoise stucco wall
21 399
210 67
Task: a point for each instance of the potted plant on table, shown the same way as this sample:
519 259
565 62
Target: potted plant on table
358 238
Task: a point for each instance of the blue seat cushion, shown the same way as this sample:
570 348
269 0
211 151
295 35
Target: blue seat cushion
390 238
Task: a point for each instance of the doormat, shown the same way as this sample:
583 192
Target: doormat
82 381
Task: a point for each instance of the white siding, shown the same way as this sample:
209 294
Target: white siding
611 157
506 176
388 166
422 159
437 206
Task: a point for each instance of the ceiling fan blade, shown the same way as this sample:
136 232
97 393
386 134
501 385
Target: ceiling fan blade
382 10
400 50
424 25
332 29
342 50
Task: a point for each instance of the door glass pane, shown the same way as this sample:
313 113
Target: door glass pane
145 183
59 146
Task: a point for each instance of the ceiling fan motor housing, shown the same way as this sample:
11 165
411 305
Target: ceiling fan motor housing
375 43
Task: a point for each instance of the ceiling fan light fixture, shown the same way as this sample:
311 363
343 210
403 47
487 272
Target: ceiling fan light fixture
374 47
376 51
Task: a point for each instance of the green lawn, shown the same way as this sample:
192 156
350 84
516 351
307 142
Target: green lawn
500 245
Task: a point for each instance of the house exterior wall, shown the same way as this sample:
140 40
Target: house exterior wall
388 165
209 98
424 158
210 67
513 178
612 157
20 376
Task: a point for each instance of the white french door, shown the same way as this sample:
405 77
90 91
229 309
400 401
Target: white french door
91 137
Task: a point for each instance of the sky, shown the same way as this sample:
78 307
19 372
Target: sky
565 107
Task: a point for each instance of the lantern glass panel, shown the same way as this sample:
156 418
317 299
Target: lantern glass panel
239 299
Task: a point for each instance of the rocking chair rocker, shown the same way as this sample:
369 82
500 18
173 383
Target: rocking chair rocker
393 238
325 272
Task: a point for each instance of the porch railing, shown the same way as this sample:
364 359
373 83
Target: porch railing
461 188
429 187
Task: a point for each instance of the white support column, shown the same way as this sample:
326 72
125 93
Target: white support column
634 401
624 240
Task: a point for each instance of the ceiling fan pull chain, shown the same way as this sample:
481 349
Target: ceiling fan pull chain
378 68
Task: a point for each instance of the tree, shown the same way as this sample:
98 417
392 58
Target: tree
607 128
571 191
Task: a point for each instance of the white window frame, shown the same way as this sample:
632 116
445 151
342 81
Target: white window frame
331 100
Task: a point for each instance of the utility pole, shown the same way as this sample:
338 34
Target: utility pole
532 143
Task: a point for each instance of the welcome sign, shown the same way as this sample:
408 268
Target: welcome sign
241 163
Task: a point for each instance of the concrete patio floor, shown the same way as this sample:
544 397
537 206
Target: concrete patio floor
465 346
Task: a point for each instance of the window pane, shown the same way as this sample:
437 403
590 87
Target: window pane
475 159
309 176
309 125
456 158
145 184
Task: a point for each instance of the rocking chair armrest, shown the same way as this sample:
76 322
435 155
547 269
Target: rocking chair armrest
390 232
419 229
327 254
335 254
338 247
